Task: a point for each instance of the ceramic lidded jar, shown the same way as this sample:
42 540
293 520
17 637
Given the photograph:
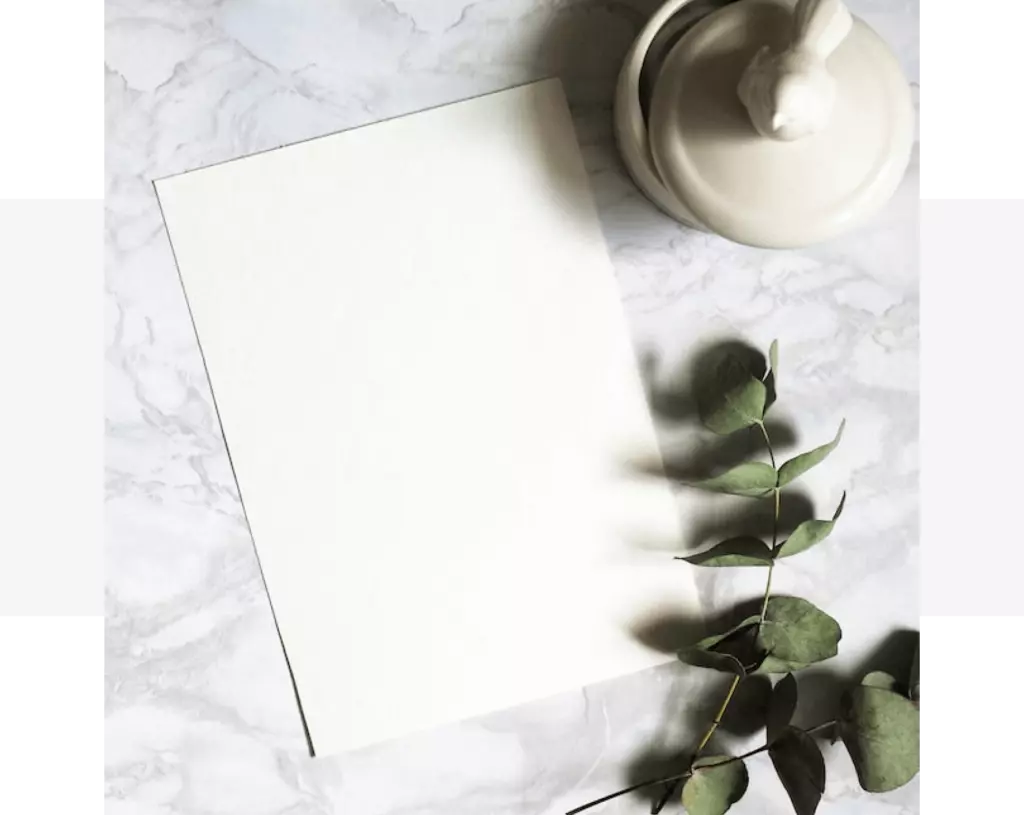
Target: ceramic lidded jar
772 124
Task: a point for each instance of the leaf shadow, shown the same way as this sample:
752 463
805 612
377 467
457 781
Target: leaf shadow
671 392
745 715
689 452
702 455
747 517
670 633
820 687
819 691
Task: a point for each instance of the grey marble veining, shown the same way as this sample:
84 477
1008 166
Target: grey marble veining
200 712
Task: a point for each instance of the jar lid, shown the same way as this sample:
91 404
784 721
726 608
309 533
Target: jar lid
779 126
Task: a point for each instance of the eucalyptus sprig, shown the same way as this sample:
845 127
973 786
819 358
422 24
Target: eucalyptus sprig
879 717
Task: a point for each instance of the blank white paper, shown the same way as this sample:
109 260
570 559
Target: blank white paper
431 402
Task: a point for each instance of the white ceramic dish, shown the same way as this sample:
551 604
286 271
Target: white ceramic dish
770 123
632 93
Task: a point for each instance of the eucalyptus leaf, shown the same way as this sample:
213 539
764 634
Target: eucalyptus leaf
754 479
730 399
801 769
798 632
742 551
771 376
881 731
772 665
880 679
714 786
718 652
781 707
914 682
796 467
713 660
810 533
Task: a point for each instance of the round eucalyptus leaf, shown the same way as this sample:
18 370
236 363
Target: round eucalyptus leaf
781 707
797 631
725 652
880 679
729 398
771 665
801 769
711 790
914 683
881 731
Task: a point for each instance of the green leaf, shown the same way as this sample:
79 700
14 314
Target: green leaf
810 533
880 679
753 480
914 682
771 376
711 790
781 707
881 731
713 660
798 632
730 399
720 652
774 665
743 551
796 467
801 769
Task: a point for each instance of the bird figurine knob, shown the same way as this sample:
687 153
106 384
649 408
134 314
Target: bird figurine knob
789 94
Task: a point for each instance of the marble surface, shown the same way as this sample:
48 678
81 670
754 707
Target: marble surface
200 712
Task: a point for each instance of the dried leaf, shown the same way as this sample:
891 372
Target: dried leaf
798 632
781 707
880 679
810 533
799 465
801 769
771 665
914 682
881 730
717 651
753 480
743 551
771 376
730 399
714 786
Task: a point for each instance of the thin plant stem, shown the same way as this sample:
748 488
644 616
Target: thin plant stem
771 566
718 719
703 743
625 791
686 774
768 442
777 495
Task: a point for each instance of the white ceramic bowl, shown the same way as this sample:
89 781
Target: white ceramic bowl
651 45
